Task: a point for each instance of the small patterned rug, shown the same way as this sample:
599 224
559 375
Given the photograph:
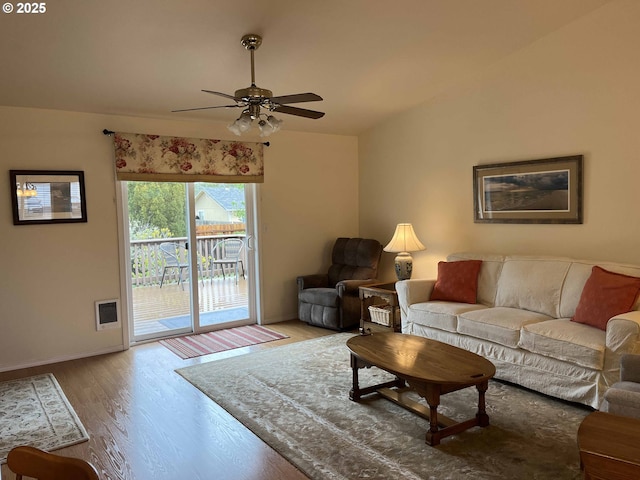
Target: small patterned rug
34 411
202 344
295 397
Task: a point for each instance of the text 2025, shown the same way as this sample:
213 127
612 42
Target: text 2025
31 7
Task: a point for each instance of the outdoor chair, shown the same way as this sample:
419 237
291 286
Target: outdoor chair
229 252
34 463
175 257
332 300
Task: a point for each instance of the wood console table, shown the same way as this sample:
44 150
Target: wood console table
609 447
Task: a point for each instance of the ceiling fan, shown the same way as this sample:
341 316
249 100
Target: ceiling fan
252 99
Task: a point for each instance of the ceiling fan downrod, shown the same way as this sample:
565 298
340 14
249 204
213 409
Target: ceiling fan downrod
252 42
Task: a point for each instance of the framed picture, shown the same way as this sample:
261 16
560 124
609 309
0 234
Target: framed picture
47 196
534 191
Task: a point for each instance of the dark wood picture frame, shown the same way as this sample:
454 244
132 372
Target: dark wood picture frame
547 190
47 196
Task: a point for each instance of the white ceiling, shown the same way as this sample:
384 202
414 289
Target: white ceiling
368 59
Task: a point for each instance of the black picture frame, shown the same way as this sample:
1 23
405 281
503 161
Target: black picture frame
47 196
547 190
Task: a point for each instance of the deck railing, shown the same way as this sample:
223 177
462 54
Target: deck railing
147 261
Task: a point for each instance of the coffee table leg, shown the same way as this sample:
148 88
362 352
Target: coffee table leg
434 433
354 393
483 418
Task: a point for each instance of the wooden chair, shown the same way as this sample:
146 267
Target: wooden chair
35 463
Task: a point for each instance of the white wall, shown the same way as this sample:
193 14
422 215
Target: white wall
576 91
309 198
51 275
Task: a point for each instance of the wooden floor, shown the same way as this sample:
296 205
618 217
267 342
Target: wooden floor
145 422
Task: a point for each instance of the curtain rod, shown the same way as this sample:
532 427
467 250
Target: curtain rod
109 133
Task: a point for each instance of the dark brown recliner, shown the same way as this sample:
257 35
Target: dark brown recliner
331 300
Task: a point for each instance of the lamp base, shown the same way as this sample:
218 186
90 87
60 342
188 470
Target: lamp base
404 265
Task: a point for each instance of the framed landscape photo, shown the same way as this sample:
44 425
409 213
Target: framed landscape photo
47 196
534 191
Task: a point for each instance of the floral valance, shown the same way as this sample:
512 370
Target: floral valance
155 158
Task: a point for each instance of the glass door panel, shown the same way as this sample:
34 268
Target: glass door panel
221 232
165 221
161 303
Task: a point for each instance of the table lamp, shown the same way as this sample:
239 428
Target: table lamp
404 241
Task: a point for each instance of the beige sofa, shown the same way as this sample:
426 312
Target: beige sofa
522 323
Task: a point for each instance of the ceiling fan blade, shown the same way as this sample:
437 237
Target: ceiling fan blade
204 108
297 98
222 94
300 112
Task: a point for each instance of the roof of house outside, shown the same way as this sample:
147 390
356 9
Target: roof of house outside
230 197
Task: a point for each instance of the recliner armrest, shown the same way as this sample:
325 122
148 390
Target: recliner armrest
630 368
319 280
351 286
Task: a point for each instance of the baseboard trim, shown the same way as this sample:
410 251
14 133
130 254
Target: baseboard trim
66 358
282 318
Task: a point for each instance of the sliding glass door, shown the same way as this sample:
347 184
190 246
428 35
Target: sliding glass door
222 252
191 257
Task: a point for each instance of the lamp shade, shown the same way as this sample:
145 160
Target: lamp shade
404 240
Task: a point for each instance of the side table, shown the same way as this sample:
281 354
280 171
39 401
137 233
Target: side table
609 447
376 294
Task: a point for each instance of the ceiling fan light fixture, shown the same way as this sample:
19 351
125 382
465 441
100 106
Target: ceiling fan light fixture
241 125
275 123
269 126
265 128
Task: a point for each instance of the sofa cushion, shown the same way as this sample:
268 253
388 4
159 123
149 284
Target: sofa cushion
457 281
605 295
565 340
499 324
532 284
440 315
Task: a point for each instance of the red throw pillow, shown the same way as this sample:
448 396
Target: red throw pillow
457 281
605 295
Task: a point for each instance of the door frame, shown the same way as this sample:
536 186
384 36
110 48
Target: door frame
255 304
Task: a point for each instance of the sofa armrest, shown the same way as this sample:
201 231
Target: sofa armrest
623 333
413 291
630 368
312 281
351 286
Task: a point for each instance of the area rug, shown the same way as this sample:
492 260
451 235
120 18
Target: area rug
204 343
214 317
295 398
34 411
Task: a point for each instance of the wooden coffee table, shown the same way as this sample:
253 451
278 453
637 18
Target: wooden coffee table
430 368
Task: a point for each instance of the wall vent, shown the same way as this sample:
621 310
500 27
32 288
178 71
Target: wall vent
107 314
